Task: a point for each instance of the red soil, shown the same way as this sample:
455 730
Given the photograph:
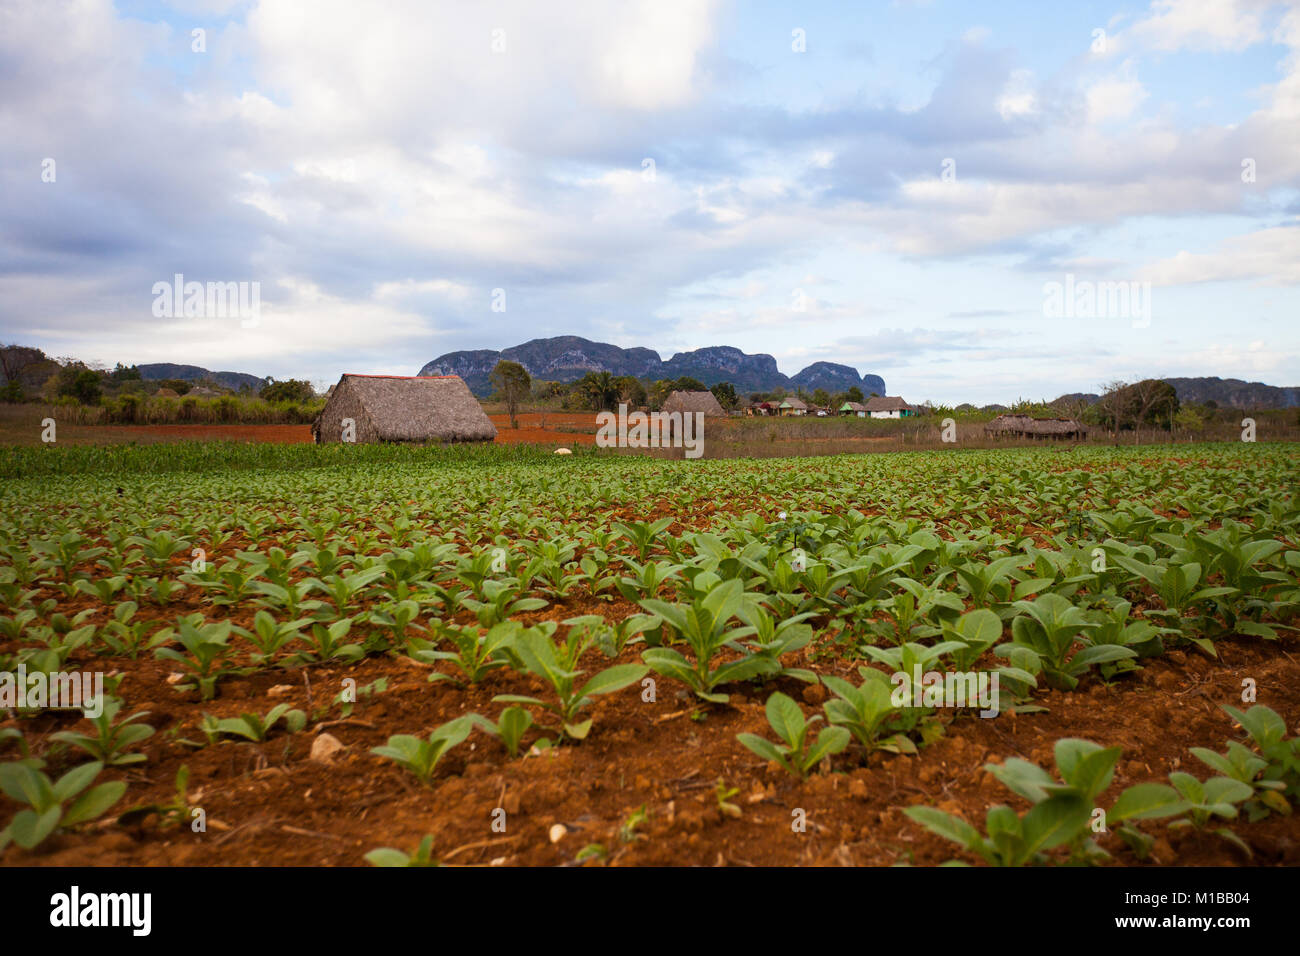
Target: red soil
285 434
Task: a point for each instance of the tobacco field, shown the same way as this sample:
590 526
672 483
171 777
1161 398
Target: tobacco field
372 656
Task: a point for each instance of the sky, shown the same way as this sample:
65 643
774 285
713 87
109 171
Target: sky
977 201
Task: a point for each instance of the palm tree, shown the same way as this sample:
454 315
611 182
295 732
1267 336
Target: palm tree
601 388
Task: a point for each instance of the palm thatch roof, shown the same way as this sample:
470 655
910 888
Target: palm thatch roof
853 407
705 402
888 403
1025 425
794 403
394 408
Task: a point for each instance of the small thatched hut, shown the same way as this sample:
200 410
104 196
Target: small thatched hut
792 406
704 402
856 409
1022 426
167 393
390 408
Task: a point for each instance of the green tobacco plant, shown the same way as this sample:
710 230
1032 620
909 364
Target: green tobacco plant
257 729
126 637
396 617
344 590
703 626
612 638
976 632
510 727
798 753
270 636
421 757
501 602
52 806
1175 584
646 579
557 665
474 652
1268 732
207 650
1115 628
1048 628
772 640
326 643
113 739
1216 797
868 713
642 535
1062 813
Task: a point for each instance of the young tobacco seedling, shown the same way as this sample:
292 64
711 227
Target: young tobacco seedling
126 637
256 729
646 580
1048 627
722 794
170 814
1011 840
1216 797
376 686
474 651
270 636
1268 731
45 801
773 640
703 625
326 643
511 726
867 712
1062 810
421 757
112 738
388 856
501 602
558 666
208 649
798 754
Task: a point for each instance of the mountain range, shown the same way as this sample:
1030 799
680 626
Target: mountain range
566 358
156 371
1224 392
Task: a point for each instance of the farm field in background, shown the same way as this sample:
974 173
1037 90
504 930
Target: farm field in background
595 659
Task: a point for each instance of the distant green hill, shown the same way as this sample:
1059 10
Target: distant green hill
1224 392
194 373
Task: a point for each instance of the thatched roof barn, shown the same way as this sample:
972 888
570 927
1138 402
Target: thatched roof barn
390 408
853 408
705 402
793 406
1022 426
167 393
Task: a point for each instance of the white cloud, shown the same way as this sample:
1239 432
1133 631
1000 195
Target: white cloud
1113 98
1018 98
1271 256
1200 25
